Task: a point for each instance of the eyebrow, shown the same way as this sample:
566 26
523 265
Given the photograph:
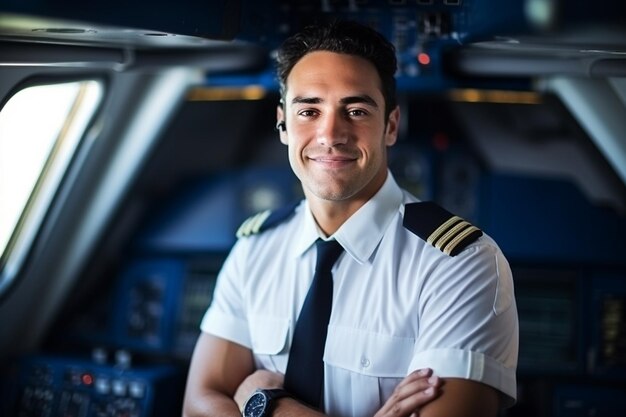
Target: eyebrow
364 98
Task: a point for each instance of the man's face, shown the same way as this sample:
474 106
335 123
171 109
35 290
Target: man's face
336 132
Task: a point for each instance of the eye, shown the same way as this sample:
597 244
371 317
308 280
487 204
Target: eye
356 113
307 113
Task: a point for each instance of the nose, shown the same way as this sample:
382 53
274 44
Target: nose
332 130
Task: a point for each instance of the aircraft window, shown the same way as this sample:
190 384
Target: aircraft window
40 128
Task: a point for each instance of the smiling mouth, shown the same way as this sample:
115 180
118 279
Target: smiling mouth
332 159
333 162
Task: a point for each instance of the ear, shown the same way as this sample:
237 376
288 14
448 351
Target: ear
280 118
391 132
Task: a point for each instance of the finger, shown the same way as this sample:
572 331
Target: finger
421 394
422 388
420 374
413 384
419 399
413 393
396 407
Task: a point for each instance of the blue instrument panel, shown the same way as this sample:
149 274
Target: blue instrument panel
161 303
49 386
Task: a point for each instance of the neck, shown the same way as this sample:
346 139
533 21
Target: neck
330 215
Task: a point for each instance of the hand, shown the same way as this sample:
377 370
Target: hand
261 378
414 391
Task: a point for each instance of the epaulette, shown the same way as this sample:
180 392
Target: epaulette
265 220
440 228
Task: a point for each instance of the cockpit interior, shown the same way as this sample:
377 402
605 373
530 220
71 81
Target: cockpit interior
135 138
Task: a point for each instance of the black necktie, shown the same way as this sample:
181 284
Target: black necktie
305 370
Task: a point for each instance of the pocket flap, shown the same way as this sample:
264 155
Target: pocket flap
369 353
269 335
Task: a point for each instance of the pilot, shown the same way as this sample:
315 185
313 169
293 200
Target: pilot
359 300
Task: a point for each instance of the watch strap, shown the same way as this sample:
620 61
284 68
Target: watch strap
276 393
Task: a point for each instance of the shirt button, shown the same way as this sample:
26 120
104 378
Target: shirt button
365 362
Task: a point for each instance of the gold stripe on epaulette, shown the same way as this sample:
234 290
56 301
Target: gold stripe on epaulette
434 236
253 224
450 234
243 228
258 221
459 238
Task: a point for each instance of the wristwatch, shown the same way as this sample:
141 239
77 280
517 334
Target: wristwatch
261 401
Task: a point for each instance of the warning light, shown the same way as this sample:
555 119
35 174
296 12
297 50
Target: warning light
440 141
87 379
423 58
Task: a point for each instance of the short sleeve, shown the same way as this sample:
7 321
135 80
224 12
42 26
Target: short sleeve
468 324
226 316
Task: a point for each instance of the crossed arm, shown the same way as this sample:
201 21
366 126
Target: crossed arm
222 376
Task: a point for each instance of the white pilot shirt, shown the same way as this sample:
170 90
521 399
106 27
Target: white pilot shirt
399 304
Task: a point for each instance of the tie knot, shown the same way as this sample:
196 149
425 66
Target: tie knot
328 252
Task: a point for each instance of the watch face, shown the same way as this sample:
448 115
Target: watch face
255 406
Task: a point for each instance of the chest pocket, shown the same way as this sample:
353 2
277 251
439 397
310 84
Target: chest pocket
269 342
365 367
368 353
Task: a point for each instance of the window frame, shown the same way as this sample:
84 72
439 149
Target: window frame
46 189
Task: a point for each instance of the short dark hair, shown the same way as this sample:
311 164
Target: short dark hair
344 37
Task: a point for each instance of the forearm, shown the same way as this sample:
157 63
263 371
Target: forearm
212 403
281 407
290 407
216 370
416 390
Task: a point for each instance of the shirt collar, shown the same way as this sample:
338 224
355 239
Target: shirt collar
363 231
308 232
